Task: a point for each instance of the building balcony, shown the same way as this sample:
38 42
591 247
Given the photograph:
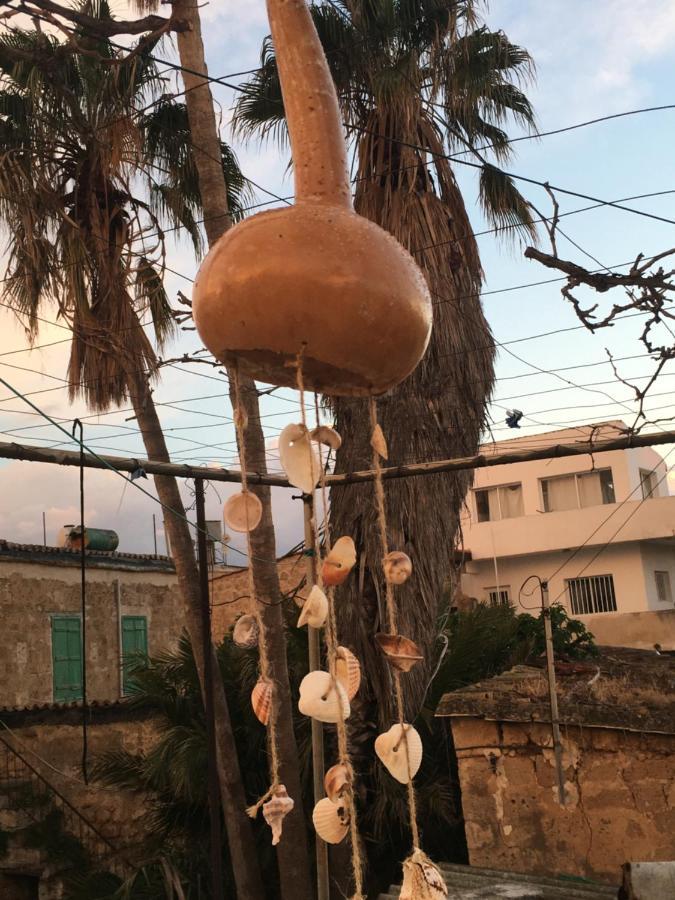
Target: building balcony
542 532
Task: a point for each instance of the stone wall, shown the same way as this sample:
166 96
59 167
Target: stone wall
31 593
620 789
229 592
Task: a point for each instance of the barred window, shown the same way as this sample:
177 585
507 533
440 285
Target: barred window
594 594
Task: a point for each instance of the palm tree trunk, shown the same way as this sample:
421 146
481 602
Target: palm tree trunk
233 800
292 852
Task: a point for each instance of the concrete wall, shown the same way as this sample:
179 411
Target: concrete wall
658 557
31 593
641 630
620 788
229 592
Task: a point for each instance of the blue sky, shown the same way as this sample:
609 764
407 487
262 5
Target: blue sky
592 60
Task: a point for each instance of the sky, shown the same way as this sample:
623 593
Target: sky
592 60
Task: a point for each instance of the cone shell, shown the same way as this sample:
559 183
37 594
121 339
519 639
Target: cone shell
242 511
339 562
397 567
261 700
348 671
246 632
335 781
321 699
402 653
422 879
391 751
324 434
275 811
331 821
315 609
298 458
378 442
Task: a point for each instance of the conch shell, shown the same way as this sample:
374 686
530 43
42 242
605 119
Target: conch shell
335 781
315 609
298 458
339 562
397 567
261 700
348 671
321 699
402 653
331 820
275 811
324 434
242 511
379 443
246 632
390 749
422 879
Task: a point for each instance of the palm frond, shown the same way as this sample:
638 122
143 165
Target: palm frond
504 205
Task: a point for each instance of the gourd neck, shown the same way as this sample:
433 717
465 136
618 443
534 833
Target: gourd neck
310 101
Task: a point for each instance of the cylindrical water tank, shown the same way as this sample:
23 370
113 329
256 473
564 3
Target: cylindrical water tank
94 538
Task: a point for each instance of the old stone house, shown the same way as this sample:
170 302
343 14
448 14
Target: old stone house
618 736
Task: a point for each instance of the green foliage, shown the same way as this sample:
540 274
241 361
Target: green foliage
571 638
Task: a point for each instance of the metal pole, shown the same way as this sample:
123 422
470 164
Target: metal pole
318 764
44 530
77 426
154 531
553 694
217 891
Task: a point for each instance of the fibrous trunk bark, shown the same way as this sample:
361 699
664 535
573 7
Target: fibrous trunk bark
292 852
233 800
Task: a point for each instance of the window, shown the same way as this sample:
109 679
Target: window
594 594
578 490
67 657
505 502
500 596
134 647
649 484
663 590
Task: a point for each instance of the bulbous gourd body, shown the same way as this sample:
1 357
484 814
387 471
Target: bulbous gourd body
322 281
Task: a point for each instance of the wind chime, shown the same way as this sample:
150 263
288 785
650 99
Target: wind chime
316 297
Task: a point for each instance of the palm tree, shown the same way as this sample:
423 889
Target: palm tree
417 81
86 183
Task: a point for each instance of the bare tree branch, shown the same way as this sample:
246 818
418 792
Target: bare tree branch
103 28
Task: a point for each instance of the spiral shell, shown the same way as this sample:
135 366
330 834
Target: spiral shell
261 700
397 567
348 671
331 820
421 879
275 811
246 632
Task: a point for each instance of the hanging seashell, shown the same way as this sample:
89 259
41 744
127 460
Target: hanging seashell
315 609
335 781
321 699
339 562
298 458
261 700
246 632
324 434
397 567
379 443
422 879
331 820
275 811
402 653
240 418
242 511
390 749
348 671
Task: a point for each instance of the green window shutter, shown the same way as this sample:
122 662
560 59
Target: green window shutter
134 646
67 657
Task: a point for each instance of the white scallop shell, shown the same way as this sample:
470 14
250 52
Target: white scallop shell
242 511
331 821
348 671
379 443
324 434
315 609
391 751
321 699
246 632
397 567
298 458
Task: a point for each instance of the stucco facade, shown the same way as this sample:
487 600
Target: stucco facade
599 528
39 584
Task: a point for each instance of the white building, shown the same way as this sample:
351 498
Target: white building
599 528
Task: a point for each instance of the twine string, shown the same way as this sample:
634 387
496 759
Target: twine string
330 637
241 422
392 620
